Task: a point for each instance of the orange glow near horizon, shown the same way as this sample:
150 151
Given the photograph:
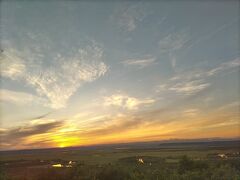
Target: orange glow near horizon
126 129
140 134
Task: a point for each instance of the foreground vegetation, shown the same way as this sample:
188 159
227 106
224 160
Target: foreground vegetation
191 161
142 168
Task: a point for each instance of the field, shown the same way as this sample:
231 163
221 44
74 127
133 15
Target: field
191 160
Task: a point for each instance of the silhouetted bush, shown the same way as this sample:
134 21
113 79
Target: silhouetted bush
110 172
3 175
185 164
225 172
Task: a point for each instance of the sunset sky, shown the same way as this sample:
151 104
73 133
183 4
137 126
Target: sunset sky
79 73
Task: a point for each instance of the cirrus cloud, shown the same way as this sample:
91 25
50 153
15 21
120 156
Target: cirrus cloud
61 78
129 16
140 62
192 82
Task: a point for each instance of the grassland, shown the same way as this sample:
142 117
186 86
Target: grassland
155 161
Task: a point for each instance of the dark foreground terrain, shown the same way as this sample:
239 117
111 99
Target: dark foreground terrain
213 160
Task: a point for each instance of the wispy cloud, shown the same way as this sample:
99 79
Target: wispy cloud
189 87
190 112
20 98
116 125
12 64
60 80
203 74
40 116
141 62
129 16
125 101
184 87
224 66
194 81
212 33
233 105
172 43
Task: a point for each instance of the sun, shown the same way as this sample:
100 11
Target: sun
62 146
62 141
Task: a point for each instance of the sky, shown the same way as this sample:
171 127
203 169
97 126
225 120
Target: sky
76 73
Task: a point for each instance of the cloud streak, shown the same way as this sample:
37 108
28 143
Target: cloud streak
184 87
190 87
224 66
17 136
144 62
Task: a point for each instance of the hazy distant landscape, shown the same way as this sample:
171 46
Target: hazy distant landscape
213 160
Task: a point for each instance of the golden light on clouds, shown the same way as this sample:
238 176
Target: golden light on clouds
129 74
89 129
